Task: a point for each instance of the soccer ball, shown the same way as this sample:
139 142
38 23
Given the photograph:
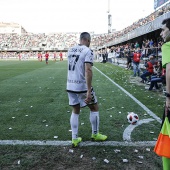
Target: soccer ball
132 118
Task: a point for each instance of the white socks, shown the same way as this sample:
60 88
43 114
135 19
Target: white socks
74 122
94 119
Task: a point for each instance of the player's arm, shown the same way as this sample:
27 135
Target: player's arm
168 78
88 76
168 85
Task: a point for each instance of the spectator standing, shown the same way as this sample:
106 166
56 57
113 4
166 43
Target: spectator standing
136 61
106 55
103 56
129 60
151 43
143 44
136 45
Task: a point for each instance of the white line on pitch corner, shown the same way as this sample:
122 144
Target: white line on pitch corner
68 143
127 132
132 97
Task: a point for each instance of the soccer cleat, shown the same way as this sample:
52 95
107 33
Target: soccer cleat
75 142
98 137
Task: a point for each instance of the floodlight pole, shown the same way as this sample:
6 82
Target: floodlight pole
108 6
109 18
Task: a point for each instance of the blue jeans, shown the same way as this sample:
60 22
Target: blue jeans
154 81
145 74
136 68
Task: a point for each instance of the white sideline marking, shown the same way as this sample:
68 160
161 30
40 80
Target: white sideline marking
68 143
127 132
132 97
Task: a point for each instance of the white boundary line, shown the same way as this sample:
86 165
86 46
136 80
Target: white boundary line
68 143
127 132
132 97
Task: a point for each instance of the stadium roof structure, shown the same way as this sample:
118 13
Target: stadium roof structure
11 28
142 30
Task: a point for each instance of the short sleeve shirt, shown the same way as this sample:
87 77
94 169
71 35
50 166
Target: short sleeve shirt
165 54
77 57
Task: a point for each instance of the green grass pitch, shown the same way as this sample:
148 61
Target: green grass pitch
34 103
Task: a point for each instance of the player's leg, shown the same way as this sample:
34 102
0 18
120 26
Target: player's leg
94 119
134 69
74 119
74 122
138 69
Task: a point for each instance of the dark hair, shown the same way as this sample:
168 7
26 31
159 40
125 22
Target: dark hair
167 22
85 35
160 64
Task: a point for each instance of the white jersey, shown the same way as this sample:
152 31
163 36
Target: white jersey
77 57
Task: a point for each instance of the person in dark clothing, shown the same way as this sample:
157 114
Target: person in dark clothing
159 77
149 69
104 56
129 60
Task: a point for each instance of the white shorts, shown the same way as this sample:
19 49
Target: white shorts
78 98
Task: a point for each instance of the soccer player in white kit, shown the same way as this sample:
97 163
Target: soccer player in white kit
80 90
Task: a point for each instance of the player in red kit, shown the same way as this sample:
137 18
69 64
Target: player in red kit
46 57
19 55
39 54
55 56
61 56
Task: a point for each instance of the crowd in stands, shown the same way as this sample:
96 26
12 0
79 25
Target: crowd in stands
145 48
29 40
100 40
146 54
66 40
